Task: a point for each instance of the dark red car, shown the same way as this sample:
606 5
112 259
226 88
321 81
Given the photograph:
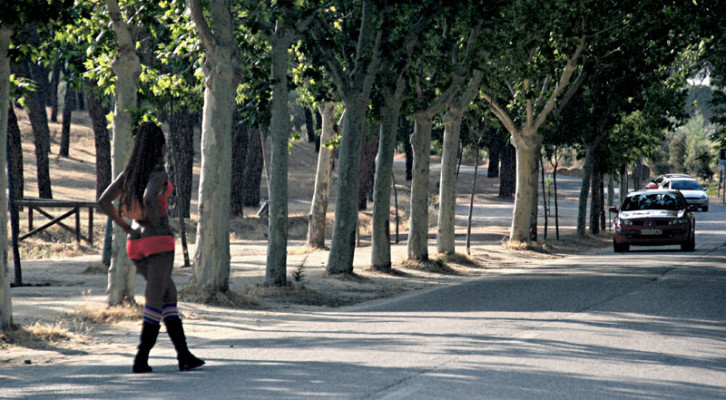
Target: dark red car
654 218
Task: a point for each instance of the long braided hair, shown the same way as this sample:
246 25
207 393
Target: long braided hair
146 157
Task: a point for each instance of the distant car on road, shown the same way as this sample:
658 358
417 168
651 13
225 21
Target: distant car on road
654 218
690 188
661 178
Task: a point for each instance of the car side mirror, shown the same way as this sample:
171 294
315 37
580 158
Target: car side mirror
613 209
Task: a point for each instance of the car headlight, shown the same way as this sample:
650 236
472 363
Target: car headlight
622 221
677 221
704 197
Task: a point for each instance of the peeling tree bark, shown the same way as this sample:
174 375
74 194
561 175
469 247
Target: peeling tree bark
421 142
528 141
221 70
323 175
418 226
127 68
445 242
354 86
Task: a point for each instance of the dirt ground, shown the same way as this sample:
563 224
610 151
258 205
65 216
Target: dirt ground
62 311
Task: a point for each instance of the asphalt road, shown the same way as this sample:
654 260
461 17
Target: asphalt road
648 324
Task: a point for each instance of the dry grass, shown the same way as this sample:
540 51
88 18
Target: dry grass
40 336
437 265
231 299
567 245
102 314
301 294
464 259
347 277
96 269
539 247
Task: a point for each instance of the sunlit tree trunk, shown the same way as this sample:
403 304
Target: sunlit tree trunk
323 175
126 67
527 139
525 197
221 70
445 242
280 131
6 308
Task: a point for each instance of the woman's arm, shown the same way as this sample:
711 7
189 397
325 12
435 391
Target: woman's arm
112 192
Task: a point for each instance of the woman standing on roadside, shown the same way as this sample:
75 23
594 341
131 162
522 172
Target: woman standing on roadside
143 188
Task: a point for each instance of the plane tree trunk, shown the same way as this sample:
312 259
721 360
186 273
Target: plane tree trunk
445 242
221 70
6 308
323 176
127 68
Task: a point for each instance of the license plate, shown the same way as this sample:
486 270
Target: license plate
651 232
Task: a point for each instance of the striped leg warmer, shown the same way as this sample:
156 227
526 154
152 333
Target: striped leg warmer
151 315
169 312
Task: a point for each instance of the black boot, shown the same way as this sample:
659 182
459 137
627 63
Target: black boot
186 359
149 333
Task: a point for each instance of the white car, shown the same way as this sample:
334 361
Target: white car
690 188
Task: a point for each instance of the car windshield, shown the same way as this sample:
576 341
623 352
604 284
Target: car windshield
653 201
685 184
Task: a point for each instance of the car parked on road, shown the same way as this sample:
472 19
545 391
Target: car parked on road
690 188
654 218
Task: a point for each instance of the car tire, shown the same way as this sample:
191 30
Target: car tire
705 208
690 245
620 248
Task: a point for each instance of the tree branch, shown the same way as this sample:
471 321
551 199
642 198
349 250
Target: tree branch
472 89
562 84
123 37
365 58
337 73
500 113
205 33
542 92
374 63
571 91
459 77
